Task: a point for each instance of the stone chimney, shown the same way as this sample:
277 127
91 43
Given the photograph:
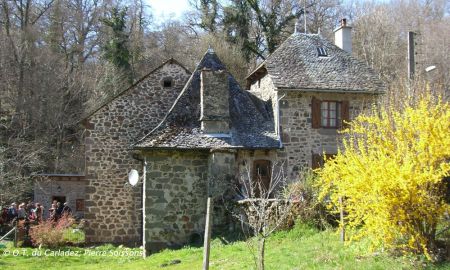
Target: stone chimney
343 36
214 94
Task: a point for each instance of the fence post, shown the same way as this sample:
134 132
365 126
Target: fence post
15 233
341 202
206 244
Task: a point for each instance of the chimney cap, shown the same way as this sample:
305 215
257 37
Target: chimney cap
342 24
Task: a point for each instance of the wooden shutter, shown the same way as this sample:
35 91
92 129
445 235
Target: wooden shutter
315 113
261 176
316 161
345 113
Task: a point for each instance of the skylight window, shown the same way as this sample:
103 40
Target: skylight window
322 52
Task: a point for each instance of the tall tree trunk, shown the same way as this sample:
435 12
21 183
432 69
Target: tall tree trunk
261 247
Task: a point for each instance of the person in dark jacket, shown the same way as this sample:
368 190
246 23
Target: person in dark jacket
12 212
67 211
59 210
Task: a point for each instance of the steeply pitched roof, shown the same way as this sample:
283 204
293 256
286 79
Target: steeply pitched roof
251 120
109 100
296 64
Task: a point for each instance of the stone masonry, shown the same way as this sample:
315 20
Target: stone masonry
197 133
300 141
292 110
113 208
70 187
177 184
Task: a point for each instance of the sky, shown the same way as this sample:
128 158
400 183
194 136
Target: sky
168 8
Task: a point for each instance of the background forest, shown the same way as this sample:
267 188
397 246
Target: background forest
59 59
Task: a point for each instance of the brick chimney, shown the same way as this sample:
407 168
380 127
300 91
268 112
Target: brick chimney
214 94
343 36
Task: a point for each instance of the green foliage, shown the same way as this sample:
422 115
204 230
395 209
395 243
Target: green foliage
390 175
273 20
308 207
237 23
74 235
303 247
116 50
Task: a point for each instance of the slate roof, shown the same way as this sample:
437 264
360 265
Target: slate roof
296 65
251 120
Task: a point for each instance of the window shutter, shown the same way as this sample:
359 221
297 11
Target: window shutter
315 113
316 161
345 113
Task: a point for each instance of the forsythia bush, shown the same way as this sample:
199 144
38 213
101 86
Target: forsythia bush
389 175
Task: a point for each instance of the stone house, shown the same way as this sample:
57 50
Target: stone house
68 188
191 134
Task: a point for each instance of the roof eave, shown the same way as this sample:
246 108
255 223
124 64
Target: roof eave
327 90
263 64
148 148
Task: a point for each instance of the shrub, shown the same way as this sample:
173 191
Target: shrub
52 234
308 208
390 176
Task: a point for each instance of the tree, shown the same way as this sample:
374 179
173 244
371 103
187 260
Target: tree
274 19
264 207
389 175
115 49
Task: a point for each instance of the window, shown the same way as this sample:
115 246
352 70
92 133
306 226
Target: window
167 82
261 176
330 114
79 205
321 52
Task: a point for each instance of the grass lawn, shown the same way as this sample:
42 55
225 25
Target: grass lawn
300 248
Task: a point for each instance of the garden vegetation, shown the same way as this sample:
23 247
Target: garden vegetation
389 176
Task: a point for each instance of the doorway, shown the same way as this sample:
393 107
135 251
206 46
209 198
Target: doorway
60 199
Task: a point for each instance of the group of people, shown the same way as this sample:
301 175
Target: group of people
33 212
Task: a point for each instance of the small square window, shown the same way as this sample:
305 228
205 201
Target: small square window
167 83
321 51
79 205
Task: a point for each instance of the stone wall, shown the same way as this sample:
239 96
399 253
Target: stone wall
113 208
70 187
300 141
176 192
214 112
264 89
245 159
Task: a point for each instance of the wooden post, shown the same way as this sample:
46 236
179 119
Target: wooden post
15 234
206 245
411 56
342 219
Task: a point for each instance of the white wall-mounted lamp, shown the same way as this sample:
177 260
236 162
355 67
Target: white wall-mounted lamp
430 68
